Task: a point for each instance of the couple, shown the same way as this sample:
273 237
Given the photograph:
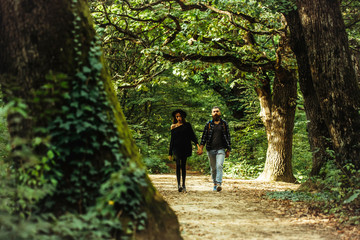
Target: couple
215 136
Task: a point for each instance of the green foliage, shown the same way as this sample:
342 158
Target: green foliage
137 35
280 6
156 164
199 163
291 195
350 10
122 192
90 226
249 150
136 41
149 88
242 169
71 175
119 193
148 112
81 130
4 134
302 156
332 192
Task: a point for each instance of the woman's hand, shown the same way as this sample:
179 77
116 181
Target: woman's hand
199 151
227 153
170 157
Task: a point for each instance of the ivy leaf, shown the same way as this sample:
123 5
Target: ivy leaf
98 66
81 76
50 154
352 197
65 125
86 69
79 112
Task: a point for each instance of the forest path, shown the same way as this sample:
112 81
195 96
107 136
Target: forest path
239 211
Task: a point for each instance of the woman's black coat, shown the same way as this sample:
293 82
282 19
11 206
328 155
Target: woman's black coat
180 143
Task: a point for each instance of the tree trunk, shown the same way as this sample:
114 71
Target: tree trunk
317 131
51 70
278 115
333 75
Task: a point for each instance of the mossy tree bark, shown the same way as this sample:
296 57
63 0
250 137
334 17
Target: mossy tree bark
333 76
51 70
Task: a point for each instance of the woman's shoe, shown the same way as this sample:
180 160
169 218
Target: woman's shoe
184 188
180 188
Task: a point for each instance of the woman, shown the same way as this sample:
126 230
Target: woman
180 144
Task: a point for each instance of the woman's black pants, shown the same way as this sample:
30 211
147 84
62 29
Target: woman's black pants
180 164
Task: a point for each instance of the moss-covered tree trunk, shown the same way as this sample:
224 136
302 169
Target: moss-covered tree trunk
277 114
333 75
66 125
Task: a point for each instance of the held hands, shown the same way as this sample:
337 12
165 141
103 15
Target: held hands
227 153
200 150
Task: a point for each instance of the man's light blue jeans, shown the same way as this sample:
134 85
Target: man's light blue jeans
216 159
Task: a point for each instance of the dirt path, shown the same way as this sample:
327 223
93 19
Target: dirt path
239 212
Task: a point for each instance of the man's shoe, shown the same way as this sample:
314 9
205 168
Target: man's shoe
219 187
215 187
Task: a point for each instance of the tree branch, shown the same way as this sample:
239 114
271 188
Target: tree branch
145 78
246 67
178 29
144 7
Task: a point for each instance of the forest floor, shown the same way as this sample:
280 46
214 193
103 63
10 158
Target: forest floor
240 211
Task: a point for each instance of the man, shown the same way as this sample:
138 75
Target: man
216 136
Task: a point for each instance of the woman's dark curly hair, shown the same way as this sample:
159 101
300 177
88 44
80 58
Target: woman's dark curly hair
182 114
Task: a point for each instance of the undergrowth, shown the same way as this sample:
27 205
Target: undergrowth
332 192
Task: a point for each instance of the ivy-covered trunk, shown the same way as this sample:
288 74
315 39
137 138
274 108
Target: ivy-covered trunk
68 132
278 113
317 131
333 75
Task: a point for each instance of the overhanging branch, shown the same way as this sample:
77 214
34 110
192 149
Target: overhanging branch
246 67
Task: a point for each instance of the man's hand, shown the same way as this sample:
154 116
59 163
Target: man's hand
170 157
200 150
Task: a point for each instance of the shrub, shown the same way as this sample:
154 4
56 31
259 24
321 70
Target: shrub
156 164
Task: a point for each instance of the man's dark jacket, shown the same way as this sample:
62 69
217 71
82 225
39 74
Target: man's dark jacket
208 132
